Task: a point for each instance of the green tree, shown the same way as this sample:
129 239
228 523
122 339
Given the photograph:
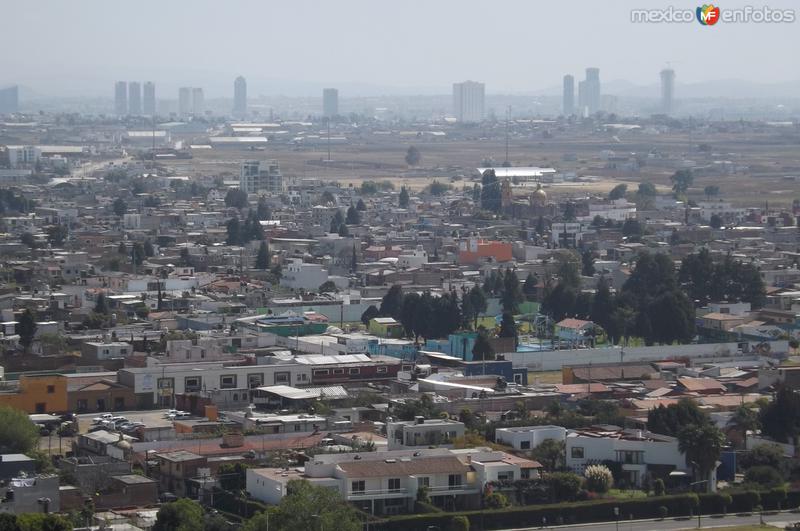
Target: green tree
404 198
508 328
482 350
780 419
232 476
715 222
328 287
744 419
551 453
26 328
764 476
511 295
353 216
587 264
308 506
19 435
369 314
236 198
436 188
56 234
337 221
459 523
28 240
101 305
763 455
681 181
43 522
413 156
392 302
529 287
263 212
702 444
618 192
181 515
148 248
711 190
262 258
119 206
668 420
361 206
233 229
491 194
646 190
137 253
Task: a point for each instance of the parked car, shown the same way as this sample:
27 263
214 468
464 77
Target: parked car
101 418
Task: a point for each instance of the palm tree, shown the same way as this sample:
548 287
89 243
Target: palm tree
744 419
702 445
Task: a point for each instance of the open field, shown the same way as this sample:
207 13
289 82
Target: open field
766 160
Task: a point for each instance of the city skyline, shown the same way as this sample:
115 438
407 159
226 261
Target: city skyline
416 68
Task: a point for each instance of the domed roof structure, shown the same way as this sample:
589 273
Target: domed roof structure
539 196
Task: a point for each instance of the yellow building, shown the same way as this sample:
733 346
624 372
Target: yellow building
45 393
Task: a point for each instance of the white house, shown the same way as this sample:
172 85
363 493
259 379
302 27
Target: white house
300 275
412 259
639 452
378 482
529 437
423 433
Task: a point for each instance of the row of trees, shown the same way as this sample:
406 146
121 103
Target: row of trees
241 233
728 280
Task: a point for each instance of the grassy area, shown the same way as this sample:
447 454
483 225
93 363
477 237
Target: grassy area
545 377
626 494
745 528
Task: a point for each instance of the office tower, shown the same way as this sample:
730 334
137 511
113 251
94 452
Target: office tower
184 101
582 108
260 176
667 90
468 101
593 90
134 98
240 96
121 98
198 102
330 102
568 105
149 102
9 99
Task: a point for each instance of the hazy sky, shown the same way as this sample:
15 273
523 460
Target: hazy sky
373 46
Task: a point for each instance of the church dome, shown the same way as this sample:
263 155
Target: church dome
539 196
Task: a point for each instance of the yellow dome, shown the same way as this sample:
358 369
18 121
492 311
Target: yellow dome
539 196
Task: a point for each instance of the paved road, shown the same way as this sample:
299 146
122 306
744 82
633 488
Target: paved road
778 520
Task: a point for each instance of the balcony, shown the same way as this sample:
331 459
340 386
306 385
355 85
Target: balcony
379 493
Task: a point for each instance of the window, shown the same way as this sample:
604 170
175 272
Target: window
123 351
303 377
51 389
255 380
382 370
394 484
577 452
227 381
525 445
41 407
284 378
235 397
424 481
83 404
507 475
408 367
321 372
630 457
357 486
192 383
297 427
338 371
166 383
354 370
454 480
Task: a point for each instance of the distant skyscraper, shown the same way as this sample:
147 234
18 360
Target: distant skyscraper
121 98
198 102
568 105
149 102
583 111
330 102
184 101
240 96
593 90
134 98
667 90
468 101
9 99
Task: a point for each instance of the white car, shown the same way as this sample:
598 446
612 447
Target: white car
101 418
171 414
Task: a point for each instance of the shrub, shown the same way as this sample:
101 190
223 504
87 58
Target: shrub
459 523
658 487
598 478
763 475
662 512
564 486
773 498
495 500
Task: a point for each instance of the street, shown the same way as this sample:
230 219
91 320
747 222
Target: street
779 520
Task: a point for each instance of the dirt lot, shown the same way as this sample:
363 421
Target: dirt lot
765 158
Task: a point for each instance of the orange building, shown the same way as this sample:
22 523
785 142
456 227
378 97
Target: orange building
45 393
473 251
